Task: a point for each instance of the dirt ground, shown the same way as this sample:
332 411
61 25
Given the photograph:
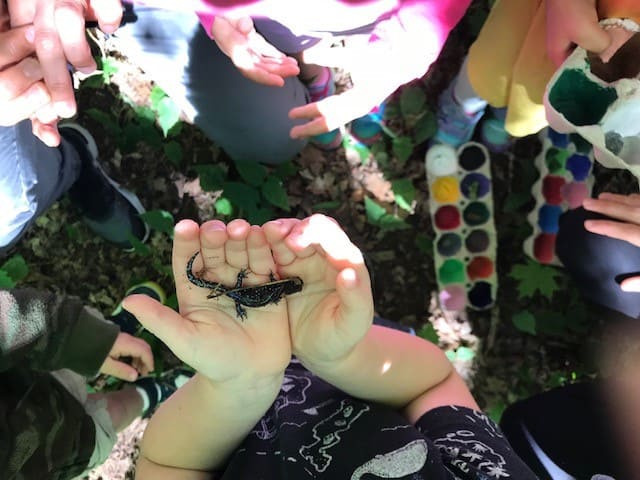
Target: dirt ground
506 363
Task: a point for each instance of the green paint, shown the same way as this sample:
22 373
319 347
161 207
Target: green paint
582 145
452 271
580 100
556 159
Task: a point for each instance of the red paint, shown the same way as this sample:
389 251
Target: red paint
447 218
544 247
480 267
552 189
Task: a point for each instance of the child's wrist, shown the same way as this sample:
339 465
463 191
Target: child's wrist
249 388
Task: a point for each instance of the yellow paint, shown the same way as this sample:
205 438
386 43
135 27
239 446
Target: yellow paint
446 190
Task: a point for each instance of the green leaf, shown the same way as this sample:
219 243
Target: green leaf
402 148
412 101
425 127
285 170
156 96
525 322
424 244
139 247
16 268
465 354
212 177
404 192
242 196
168 114
145 113
429 333
533 277
275 193
374 211
390 223
223 207
109 66
495 411
252 173
173 151
105 120
260 215
5 281
160 220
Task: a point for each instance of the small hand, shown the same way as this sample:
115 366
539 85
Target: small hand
335 308
60 40
625 208
128 346
256 58
22 91
571 23
207 334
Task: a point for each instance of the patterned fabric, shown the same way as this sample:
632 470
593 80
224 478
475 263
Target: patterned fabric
315 431
44 431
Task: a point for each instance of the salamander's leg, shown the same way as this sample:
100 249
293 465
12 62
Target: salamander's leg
242 274
272 277
240 312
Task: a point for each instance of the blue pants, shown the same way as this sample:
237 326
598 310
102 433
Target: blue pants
32 177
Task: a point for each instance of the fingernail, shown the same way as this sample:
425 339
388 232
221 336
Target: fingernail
88 69
30 34
110 28
38 96
64 109
31 68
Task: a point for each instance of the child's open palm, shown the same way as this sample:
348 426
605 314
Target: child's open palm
335 308
207 333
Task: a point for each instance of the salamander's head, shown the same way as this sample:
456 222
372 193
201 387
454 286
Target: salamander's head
293 285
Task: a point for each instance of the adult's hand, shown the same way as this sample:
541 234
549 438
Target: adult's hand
626 209
571 23
22 91
256 58
132 347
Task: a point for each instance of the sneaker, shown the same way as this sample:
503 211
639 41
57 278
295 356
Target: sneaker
125 320
155 389
368 129
317 91
455 125
492 131
108 209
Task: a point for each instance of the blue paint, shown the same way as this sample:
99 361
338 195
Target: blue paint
548 218
449 244
579 166
475 185
559 140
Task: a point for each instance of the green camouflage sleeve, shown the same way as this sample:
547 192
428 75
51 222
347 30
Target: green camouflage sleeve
44 331
45 432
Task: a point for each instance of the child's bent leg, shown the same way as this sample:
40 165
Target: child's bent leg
123 406
32 178
598 263
248 120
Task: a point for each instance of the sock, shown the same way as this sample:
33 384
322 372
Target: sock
464 94
320 86
150 392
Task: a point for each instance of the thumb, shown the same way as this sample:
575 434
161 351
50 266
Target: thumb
592 37
353 287
164 322
631 284
243 24
119 370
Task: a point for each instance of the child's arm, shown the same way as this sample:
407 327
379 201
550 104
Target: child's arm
240 362
331 330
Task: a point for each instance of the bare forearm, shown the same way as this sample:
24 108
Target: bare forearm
202 423
387 366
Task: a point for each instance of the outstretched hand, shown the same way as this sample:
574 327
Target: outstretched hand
207 334
626 209
136 349
335 308
256 58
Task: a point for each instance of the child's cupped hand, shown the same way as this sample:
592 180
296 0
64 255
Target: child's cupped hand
256 58
207 334
334 310
570 23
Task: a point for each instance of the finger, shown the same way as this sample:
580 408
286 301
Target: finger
632 200
119 370
353 287
18 78
70 19
325 232
107 12
161 321
236 247
260 258
25 105
587 33
619 230
53 61
631 284
338 57
186 242
259 75
130 346
213 237
47 132
15 45
614 209
275 232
